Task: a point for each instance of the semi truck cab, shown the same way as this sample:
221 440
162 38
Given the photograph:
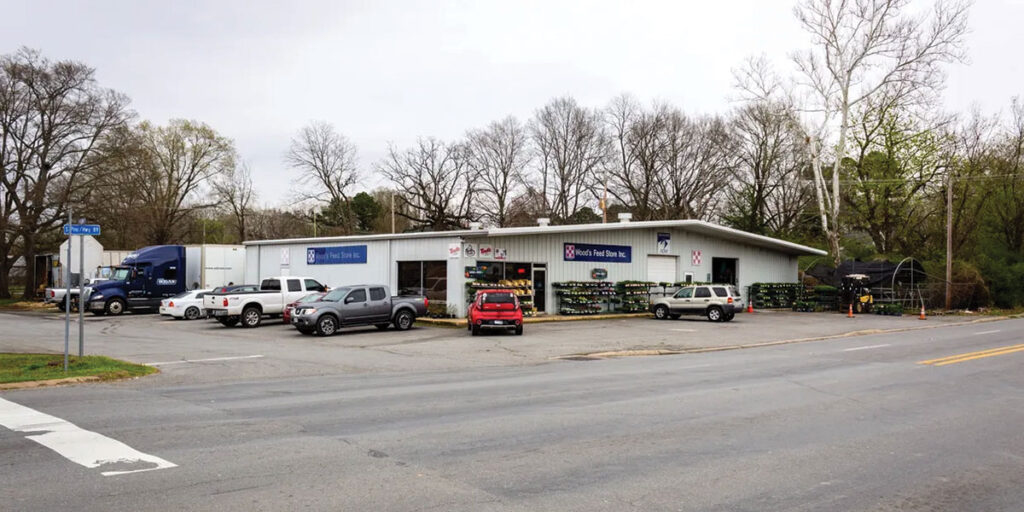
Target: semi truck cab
142 280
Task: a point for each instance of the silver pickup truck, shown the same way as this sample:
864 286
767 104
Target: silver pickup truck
361 304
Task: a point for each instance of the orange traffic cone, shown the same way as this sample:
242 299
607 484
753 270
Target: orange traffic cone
922 313
750 307
850 314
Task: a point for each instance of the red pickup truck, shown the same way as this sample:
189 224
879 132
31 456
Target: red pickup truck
495 309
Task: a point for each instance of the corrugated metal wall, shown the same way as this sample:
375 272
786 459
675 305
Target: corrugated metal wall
754 264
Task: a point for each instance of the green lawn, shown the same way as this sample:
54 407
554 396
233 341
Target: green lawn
26 367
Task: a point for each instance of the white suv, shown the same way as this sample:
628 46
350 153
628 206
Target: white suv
716 301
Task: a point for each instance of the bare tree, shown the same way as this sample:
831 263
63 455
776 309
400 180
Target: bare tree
168 168
234 192
767 194
498 156
326 162
641 139
695 167
572 148
434 180
54 115
862 51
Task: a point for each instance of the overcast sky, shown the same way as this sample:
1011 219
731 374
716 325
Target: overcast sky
389 71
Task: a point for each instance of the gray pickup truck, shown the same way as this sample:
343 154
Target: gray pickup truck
355 305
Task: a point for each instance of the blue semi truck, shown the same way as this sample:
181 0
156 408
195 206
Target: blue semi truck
151 274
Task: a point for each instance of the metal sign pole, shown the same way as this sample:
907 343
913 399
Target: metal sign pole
81 293
67 299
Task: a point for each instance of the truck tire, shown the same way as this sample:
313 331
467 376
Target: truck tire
251 317
661 312
404 320
383 327
327 325
192 313
715 314
228 321
115 307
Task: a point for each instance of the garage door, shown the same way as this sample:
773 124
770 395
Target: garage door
661 269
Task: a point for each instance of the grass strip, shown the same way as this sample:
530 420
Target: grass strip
30 367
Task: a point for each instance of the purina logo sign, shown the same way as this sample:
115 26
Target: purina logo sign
593 252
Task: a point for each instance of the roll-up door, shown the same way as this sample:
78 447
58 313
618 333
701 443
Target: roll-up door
661 269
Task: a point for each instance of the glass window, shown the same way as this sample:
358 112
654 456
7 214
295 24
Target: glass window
336 294
377 294
735 291
313 286
499 298
435 280
410 278
493 271
517 271
685 293
721 291
180 295
702 293
689 277
270 284
170 273
313 297
357 295
200 295
294 285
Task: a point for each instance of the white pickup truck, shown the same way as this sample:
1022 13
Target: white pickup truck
274 294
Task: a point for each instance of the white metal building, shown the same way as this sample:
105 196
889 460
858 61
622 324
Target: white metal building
440 263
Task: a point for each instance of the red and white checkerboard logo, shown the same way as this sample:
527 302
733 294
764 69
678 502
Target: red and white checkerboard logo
695 257
570 252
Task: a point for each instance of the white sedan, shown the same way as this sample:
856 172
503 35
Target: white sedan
187 305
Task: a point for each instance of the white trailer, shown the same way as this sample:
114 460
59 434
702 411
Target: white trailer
214 265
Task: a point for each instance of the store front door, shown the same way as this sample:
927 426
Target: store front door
540 289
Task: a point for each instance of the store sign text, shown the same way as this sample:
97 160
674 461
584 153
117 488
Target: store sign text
592 252
336 255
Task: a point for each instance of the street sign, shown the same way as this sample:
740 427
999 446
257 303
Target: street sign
82 229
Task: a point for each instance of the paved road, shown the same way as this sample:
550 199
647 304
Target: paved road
851 424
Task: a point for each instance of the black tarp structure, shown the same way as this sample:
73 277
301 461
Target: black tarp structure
880 273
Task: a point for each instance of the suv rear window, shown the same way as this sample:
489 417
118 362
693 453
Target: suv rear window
721 291
499 298
702 293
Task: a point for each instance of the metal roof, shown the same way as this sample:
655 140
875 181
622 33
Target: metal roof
695 226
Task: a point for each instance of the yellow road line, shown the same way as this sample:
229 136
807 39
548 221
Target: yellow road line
959 358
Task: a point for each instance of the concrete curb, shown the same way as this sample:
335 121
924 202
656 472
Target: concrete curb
461 322
32 384
700 350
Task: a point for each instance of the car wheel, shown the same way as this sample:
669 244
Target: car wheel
251 317
192 313
114 307
475 330
730 316
383 327
519 330
228 321
403 320
661 312
715 314
326 326
674 316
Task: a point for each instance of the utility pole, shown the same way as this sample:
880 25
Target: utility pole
392 211
604 204
314 222
949 239
202 258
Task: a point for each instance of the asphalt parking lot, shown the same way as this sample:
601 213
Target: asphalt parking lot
205 351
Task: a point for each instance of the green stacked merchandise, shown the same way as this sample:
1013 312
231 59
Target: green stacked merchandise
522 288
888 309
774 295
817 298
633 296
583 297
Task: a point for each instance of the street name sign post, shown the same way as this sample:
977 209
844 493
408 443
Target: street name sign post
81 230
